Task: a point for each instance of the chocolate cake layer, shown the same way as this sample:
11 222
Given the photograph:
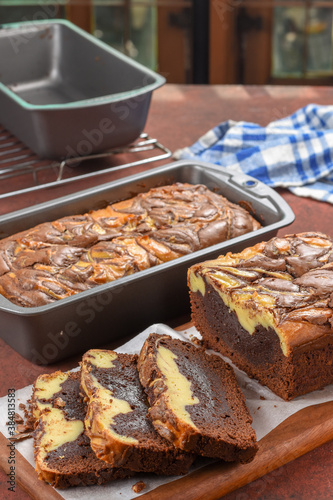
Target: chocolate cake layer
55 260
195 400
63 454
270 309
117 423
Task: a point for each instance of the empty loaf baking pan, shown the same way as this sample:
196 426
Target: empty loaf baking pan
65 94
126 306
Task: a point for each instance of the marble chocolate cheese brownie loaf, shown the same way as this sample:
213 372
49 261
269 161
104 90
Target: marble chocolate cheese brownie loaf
63 454
57 259
270 310
195 400
116 422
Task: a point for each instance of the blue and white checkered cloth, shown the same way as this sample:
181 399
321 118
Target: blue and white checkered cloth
295 152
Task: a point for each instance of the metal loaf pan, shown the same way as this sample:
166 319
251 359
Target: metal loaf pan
124 307
66 94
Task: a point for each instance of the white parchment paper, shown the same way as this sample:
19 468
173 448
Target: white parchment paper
267 410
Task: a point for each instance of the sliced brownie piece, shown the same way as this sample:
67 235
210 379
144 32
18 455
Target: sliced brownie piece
117 423
62 450
195 399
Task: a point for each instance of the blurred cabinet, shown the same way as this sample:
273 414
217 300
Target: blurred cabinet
169 36
302 42
270 41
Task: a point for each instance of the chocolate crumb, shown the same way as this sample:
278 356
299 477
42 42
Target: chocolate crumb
18 419
195 340
20 428
139 486
24 429
59 403
24 425
263 398
22 436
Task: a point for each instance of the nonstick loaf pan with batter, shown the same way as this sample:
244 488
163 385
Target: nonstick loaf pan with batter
124 307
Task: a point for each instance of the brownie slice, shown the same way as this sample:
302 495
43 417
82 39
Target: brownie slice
63 454
195 400
269 309
120 431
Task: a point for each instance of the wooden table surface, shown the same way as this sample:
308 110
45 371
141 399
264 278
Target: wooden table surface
177 117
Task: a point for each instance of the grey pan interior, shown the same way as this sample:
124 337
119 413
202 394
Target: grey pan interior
62 91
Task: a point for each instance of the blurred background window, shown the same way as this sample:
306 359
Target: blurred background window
156 33
302 41
130 27
13 11
205 41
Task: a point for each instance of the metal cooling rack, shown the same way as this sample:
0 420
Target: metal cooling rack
19 166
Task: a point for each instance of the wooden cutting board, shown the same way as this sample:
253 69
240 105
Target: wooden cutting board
295 436
298 434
